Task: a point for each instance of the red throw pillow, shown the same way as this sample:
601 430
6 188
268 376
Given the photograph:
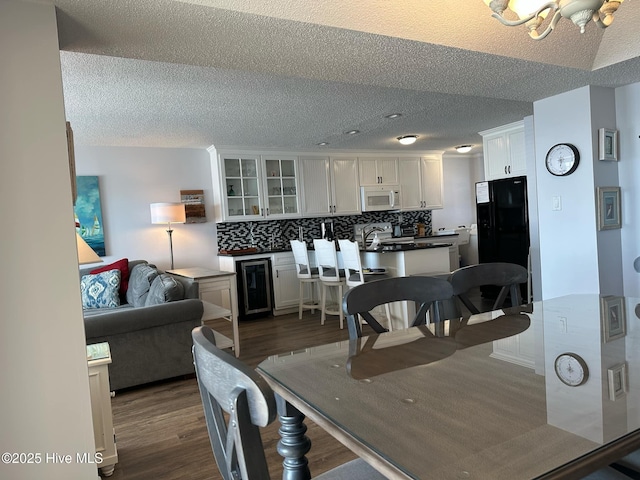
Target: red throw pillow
123 266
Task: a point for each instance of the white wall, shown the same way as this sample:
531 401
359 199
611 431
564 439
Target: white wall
567 240
132 178
575 257
628 125
43 368
460 174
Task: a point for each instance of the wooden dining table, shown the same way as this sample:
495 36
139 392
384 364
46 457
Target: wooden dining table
491 396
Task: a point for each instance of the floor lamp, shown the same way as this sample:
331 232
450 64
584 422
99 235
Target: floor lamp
168 213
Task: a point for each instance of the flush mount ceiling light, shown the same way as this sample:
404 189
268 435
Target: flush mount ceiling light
407 139
463 148
534 12
322 144
352 132
393 115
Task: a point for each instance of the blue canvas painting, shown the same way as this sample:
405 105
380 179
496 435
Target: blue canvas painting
89 213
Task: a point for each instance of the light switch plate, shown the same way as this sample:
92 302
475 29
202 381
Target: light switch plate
556 202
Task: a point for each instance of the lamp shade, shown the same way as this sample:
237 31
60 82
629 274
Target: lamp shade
86 254
168 213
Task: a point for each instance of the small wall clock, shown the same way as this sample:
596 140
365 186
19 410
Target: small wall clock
562 159
571 369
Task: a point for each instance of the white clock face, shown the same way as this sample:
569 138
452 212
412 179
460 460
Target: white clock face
562 159
571 369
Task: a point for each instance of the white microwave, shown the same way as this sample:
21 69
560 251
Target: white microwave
380 197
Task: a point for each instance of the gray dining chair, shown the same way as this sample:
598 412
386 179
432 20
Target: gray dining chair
426 292
229 386
507 276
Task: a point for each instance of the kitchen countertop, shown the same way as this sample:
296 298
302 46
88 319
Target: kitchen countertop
259 251
404 247
388 247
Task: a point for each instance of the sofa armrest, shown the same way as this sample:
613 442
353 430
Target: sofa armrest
134 319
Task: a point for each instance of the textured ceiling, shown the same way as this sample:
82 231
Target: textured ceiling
290 74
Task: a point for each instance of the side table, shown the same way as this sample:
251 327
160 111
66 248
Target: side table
98 360
210 281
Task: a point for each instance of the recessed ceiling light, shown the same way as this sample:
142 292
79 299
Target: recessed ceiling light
407 139
322 144
393 115
463 148
352 132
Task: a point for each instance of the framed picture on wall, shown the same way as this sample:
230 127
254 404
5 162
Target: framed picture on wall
88 213
614 319
609 208
608 145
618 384
193 205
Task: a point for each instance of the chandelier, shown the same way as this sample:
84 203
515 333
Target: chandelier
533 13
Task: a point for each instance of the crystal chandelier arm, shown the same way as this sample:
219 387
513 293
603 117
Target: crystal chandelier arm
554 21
513 23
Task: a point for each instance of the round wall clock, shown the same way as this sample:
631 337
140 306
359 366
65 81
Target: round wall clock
562 159
571 369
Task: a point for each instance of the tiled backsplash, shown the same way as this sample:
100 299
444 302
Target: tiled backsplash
238 235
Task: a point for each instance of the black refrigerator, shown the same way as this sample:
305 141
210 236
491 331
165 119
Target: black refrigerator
503 223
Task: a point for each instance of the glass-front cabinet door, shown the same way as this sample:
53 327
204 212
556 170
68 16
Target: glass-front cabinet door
281 186
242 187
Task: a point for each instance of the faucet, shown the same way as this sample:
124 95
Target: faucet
366 234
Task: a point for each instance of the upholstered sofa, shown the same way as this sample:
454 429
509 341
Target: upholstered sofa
148 327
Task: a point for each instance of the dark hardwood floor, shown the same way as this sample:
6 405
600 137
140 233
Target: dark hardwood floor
160 428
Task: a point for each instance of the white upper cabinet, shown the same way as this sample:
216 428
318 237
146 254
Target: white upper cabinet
241 187
255 187
410 183
329 185
281 186
378 171
431 170
420 182
316 185
504 151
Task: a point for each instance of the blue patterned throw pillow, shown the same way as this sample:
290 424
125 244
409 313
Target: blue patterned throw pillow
100 290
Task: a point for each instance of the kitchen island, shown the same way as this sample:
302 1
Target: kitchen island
403 260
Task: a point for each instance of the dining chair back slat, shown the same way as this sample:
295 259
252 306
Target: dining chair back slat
507 276
426 292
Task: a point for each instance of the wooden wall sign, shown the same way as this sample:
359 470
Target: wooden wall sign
193 205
